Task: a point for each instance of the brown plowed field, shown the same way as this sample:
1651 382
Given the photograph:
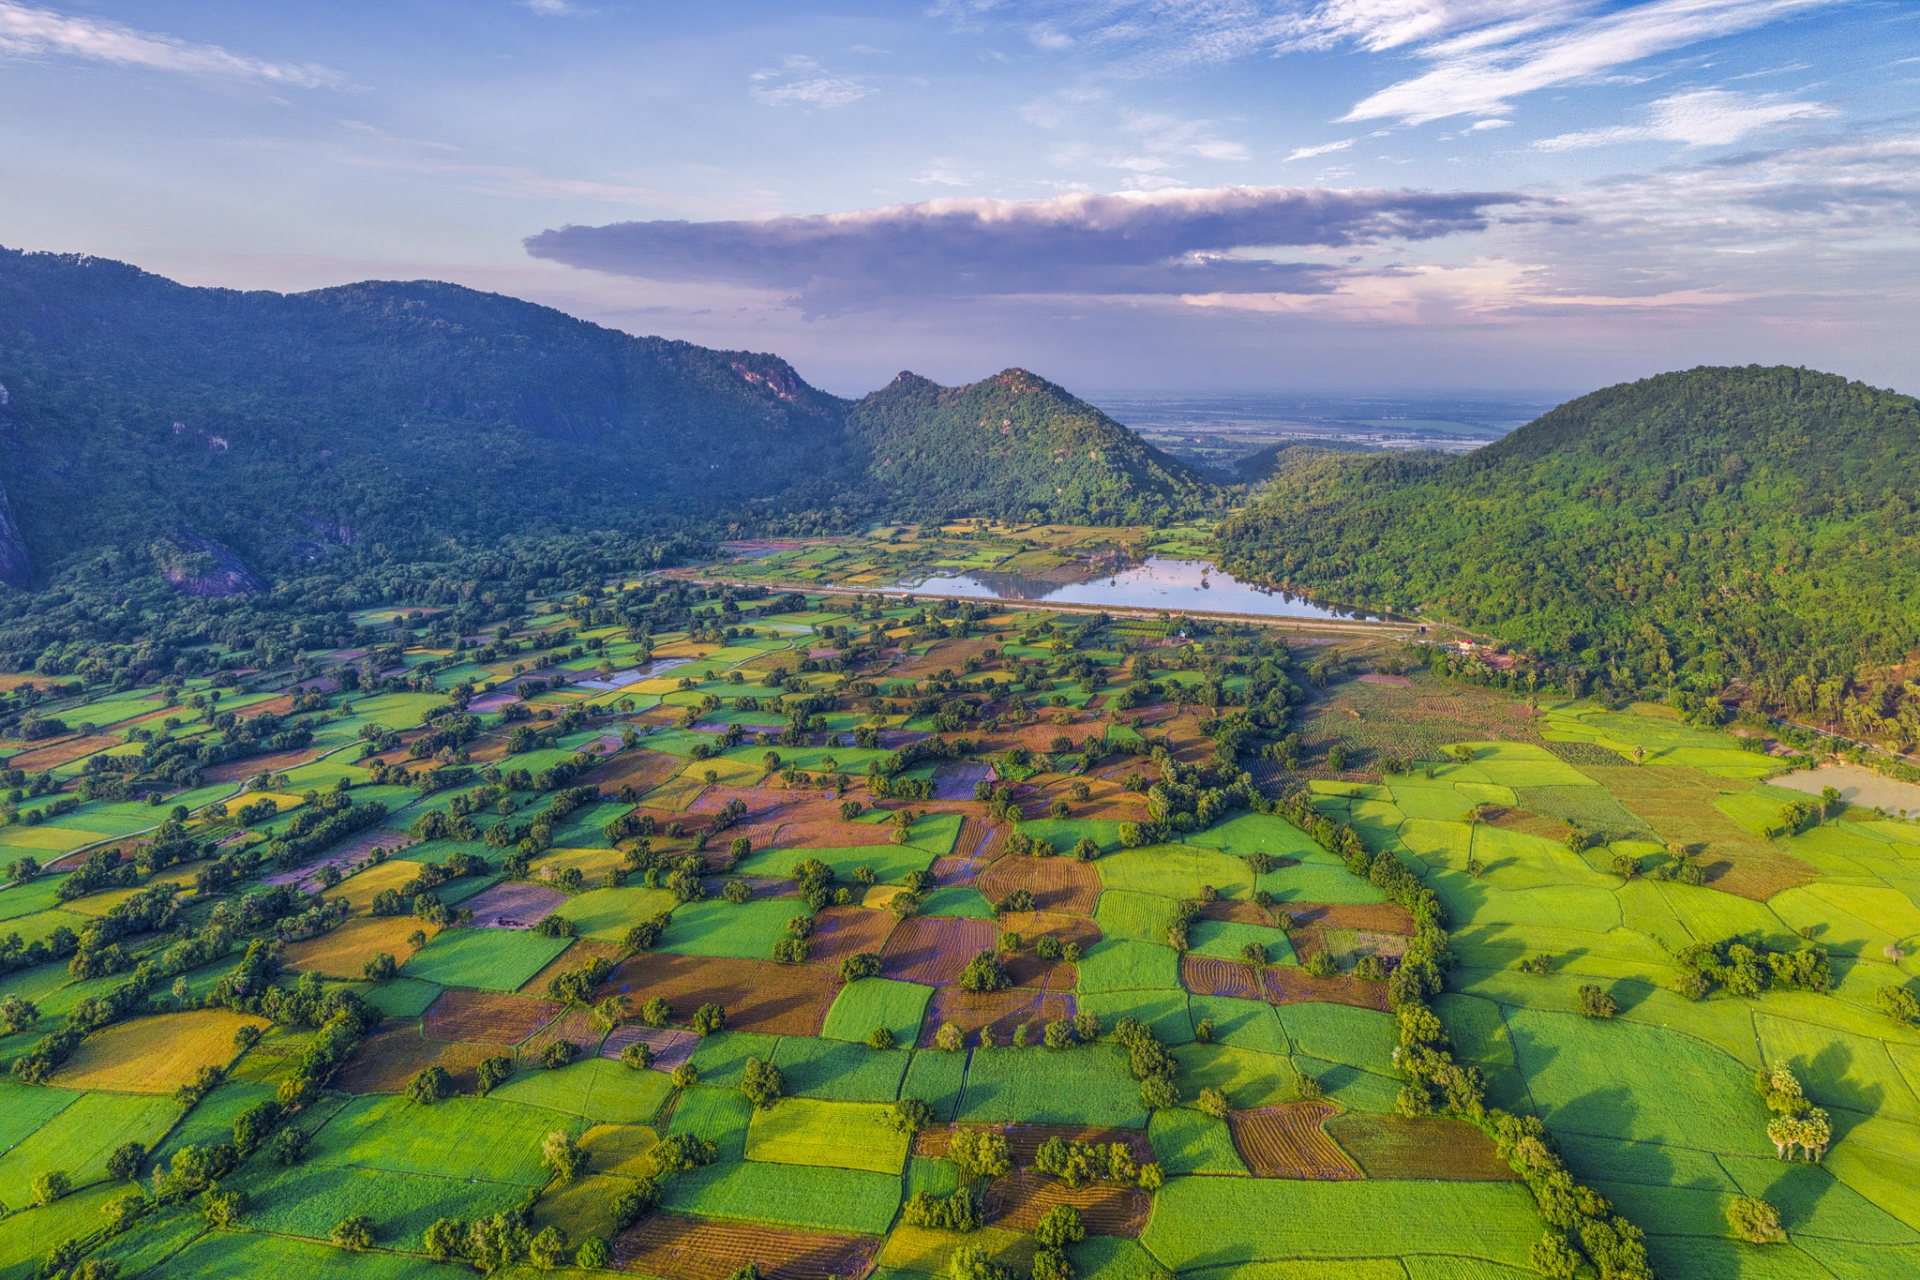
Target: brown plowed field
758 995
641 770
577 1025
485 1017
1023 1140
1381 917
1237 910
676 1248
932 950
65 751
1019 1200
386 1060
574 957
1057 884
1287 985
1001 1010
1431 1147
1287 1142
1211 976
1068 928
839 932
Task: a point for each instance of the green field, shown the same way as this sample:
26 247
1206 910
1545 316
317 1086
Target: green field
490 959
844 1135
877 1002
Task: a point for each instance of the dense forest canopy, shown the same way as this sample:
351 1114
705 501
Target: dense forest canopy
230 436
1015 445
1713 525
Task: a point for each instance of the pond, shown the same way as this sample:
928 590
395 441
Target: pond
1178 586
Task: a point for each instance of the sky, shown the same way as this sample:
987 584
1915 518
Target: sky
1174 195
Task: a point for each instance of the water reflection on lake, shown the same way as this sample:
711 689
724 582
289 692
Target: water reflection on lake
1173 585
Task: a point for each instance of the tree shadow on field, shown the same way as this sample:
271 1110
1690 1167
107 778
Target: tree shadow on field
1824 1076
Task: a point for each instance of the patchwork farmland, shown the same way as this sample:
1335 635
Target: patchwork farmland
844 935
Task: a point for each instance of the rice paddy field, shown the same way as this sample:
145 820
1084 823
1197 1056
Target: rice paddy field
630 906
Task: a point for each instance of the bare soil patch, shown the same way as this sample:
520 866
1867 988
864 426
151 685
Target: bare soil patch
513 905
676 1248
1381 917
670 1046
1288 1141
1431 1147
839 932
582 950
1287 985
758 995
932 950
642 770
485 1017
1057 884
1003 1011
386 1060
1019 1200
63 751
576 1025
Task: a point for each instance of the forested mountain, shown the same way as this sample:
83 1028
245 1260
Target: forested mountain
227 440
1012 445
1719 523
231 435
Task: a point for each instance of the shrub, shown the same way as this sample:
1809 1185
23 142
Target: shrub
737 891
970 1262
1059 1034
429 1085
559 1054
353 1234
1085 849
494 1071
861 964
1158 1093
950 1038
50 1186
985 973
288 1146
1307 1088
957 1212
910 1115
685 1076
1596 1003
562 1154
1059 1227
980 1153
708 1019
1755 1221
593 1252
880 1038
638 1055
656 1012
1214 1102
762 1084
1899 1004
548 1248
1321 965
126 1160
1052 1264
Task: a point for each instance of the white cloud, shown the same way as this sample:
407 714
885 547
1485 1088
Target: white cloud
32 32
1325 148
555 8
1481 70
800 82
1703 118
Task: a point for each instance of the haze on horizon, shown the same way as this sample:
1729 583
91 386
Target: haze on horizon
1129 194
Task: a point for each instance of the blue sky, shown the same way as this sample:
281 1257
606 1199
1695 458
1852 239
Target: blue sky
1216 194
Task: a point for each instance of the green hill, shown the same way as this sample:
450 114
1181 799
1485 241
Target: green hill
230 440
1721 522
1012 445
231 434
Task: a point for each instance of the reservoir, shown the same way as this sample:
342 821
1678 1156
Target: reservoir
1178 586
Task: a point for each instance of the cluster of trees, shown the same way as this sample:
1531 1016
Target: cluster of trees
1688 529
1583 1230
